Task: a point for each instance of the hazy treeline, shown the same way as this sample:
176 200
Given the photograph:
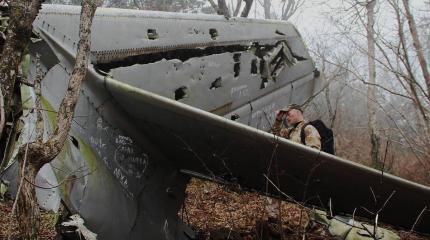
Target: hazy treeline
402 88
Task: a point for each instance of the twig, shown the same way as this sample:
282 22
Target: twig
2 115
368 231
26 82
62 181
367 210
386 201
37 103
236 10
281 192
188 148
373 194
330 208
383 162
375 227
214 5
353 216
276 144
22 177
418 219
309 177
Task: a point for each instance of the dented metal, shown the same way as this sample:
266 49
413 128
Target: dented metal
168 94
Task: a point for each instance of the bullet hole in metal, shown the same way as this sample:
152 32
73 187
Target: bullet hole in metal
298 57
254 67
279 33
75 142
264 82
234 117
236 57
178 65
236 69
152 34
181 93
216 84
214 33
262 65
317 73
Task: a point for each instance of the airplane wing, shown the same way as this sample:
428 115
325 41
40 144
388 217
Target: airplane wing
200 142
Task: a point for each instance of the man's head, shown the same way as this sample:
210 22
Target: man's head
294 114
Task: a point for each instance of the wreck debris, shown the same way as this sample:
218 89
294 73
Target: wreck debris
81 230
143 116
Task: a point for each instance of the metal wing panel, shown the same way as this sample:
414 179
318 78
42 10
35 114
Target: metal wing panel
202 142
118 33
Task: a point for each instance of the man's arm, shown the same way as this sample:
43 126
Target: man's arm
276 127
312 137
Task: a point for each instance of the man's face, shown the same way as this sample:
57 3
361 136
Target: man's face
294 116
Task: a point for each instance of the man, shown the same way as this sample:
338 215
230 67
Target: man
292 116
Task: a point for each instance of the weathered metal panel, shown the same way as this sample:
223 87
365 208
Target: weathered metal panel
125 152
208 144
130 35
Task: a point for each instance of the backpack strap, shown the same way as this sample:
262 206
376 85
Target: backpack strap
291 129
302 133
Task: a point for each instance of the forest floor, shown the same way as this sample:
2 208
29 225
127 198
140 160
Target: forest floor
218 212
9 225
222 212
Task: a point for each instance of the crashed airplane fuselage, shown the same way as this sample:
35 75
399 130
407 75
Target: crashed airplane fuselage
168 96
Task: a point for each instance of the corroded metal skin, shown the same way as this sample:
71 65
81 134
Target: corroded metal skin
171 95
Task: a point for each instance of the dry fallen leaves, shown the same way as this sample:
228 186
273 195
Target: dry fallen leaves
210 207
9 225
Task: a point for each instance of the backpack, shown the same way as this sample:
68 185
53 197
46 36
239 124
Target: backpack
326 134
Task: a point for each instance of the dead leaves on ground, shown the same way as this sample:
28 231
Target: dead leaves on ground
210 207
9 225
220 212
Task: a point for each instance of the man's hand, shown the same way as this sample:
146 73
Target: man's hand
280 115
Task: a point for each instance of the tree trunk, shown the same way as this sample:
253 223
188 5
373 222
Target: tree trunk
237 9
28 212
22 15
371 90
39 153
223 9
247 8
417 44
267 6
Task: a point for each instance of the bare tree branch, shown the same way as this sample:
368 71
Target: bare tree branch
247 8
2 115
417 44
214 5
223 9
237 9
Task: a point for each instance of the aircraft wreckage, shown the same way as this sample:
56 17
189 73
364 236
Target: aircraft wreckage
169 96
